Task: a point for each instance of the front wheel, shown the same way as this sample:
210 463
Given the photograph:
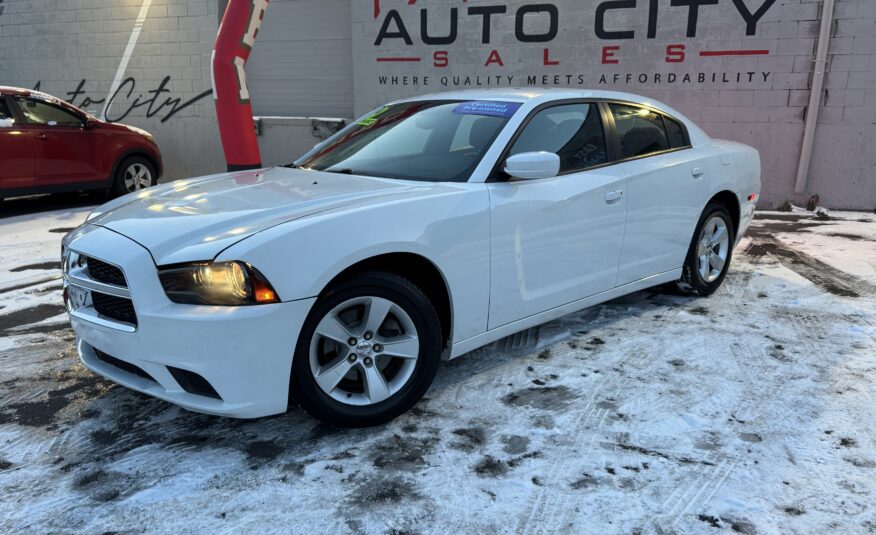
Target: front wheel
135 174
367 352
710 252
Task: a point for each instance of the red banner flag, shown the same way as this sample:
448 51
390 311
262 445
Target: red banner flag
234 42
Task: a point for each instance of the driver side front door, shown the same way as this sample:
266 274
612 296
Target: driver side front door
66 151
557 240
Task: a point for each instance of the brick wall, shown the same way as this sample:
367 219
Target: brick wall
758 99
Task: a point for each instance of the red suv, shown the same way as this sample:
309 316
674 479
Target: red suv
49 146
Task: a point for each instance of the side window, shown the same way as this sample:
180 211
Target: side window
573 131
4 110
6 118
639 130
675 132
40 113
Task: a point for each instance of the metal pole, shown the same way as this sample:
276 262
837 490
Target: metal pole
814 97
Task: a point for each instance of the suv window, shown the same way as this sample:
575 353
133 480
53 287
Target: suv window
639 130
572 131
40 113
5 114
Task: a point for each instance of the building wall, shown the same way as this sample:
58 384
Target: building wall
302 64
320 58
73 48
759 99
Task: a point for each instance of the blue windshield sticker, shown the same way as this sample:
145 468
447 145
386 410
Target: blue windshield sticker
487 107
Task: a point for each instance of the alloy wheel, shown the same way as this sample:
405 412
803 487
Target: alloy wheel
137 177
364 351
713 248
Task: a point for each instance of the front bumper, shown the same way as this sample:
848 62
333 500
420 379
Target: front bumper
244 353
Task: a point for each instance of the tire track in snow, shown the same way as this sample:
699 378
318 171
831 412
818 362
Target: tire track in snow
544 511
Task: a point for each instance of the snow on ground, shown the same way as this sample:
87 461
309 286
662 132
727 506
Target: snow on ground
752 411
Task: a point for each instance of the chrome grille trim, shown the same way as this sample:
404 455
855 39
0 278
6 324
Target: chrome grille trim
79 282
91 315
98 286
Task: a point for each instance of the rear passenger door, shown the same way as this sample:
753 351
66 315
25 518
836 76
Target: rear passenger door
667 188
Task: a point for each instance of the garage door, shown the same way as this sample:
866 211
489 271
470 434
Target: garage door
302 63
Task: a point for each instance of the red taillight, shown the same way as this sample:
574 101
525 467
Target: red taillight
752 197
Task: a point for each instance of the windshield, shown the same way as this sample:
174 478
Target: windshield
436 141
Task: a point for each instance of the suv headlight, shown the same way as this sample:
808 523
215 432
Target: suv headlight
223 283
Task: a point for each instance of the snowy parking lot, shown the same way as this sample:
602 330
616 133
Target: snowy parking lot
752 411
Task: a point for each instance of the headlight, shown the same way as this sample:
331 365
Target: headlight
224 283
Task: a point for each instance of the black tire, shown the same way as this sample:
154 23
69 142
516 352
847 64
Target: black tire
119 188
303 386
692 282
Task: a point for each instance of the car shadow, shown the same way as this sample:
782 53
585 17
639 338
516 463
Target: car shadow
35 204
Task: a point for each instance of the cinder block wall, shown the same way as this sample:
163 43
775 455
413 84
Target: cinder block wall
766 111
59 43
73 48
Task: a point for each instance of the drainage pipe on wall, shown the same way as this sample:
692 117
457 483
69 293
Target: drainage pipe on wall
814 97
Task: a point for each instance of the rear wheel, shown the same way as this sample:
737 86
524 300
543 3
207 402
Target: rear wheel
708 258
135 174
367 352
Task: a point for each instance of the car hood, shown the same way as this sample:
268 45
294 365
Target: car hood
195 219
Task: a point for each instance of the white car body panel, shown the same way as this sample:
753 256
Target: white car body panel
544 254
459 247
511 254
665 201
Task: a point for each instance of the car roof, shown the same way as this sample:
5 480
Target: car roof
22 92
526 94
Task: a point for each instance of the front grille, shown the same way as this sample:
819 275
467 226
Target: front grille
106 273
122 365
117 308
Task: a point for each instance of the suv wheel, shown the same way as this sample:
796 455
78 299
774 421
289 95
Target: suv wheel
135 174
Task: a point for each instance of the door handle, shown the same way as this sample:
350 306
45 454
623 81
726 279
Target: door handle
614 196
697 172
42 137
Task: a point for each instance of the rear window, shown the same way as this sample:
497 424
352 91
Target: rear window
675 133
640 130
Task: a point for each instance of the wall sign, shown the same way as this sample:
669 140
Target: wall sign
609 43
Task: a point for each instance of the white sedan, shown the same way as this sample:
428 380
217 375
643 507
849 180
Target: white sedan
428 228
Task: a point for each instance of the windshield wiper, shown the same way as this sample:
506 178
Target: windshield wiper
343 171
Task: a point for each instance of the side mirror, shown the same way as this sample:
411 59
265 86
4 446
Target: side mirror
533 165
90 124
